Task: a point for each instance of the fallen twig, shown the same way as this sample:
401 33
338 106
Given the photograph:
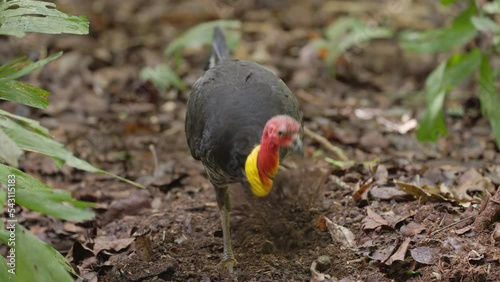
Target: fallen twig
324 142
450 225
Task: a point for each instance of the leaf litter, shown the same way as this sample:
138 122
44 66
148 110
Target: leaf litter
420 209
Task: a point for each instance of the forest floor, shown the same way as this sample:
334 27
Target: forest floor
323 222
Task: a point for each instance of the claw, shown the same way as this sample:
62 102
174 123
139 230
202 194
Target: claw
229 263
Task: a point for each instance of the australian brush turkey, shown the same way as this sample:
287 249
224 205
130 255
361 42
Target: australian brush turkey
241 121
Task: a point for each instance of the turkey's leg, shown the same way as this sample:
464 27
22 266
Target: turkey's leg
224 203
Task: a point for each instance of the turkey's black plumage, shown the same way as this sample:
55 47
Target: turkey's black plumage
227 111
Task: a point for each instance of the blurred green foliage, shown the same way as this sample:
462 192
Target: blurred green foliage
459 32
202 35
343 34
163 76
35 260
475 26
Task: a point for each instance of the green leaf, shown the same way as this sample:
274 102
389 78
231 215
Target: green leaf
62 260
4 234
485 24
489 97
432 125
461 67
9 151
464 18
30 141
5 276
23 93
3 198
31 123
6 67
38 196
492 7
335 31
434 81
23 180
36 260
20 16
496 43
359 33
345 33
19 92
162 76
447 75
363 34
202 34
440 40
122 179
56 203
20 67
447 2
496 73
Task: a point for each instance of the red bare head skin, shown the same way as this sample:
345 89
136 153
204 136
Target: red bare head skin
281 130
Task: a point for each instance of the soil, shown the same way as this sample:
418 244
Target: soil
171 230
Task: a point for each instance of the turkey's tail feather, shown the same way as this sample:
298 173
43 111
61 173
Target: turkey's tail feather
220 51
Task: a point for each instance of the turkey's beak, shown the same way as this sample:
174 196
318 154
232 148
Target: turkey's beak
296 145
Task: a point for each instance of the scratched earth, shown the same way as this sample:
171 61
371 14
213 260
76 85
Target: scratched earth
327 219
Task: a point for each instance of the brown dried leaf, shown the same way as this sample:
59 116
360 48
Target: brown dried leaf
395 218
90 276
400 252
340 234
471 181
109 243
373 220
358 195
456 244
79 253
493 174
463 230
413 190
425 193
73 228
143 247
380 175
384 254
411 229
389 193
425 255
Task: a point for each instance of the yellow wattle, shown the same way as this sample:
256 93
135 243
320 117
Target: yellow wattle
257 186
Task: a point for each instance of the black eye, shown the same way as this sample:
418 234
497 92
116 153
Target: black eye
280 133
